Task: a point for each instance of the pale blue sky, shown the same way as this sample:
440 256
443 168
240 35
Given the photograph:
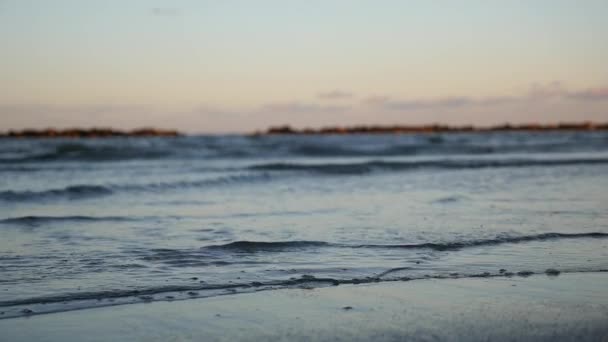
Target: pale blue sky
230 66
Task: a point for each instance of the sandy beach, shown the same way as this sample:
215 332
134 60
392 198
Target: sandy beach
569 307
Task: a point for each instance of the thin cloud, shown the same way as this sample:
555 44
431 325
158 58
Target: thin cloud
376 99
536 93
300 107
556 89
594 94
397 104
335 95
552 89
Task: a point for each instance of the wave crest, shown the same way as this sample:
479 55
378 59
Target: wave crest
281 246
39 220
70 192
455 245
91 152
254 246
369 166
76 192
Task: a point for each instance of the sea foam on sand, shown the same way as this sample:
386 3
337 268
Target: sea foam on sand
568 307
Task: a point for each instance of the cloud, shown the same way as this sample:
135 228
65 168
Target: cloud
376 99
397 104
301 107
556 89
536 93
594 94
552 89
335 95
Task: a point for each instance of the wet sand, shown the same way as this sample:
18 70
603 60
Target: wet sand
568 307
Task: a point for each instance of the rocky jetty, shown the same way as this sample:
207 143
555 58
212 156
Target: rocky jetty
89 133
376 129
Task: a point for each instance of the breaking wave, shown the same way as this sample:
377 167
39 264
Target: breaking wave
76 192
71 192
91 152
269 246
279 246
379 165
39 220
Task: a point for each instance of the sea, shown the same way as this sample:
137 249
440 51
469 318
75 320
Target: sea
114 221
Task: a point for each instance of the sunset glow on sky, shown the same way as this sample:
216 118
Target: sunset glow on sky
238 66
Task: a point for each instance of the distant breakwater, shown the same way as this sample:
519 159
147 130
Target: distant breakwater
436 128
89 133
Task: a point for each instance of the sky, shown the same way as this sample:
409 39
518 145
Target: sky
221 66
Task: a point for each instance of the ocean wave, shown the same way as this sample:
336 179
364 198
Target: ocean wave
70 192
202 147
218 181
282 246
456 245
397 150
379 165
450 199
265 172
91 152
254 246
420 144
39 220
189 258
76 192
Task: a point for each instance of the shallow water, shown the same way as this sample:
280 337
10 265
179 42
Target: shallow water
97 222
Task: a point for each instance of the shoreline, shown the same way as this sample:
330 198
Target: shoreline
90 300
572 306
